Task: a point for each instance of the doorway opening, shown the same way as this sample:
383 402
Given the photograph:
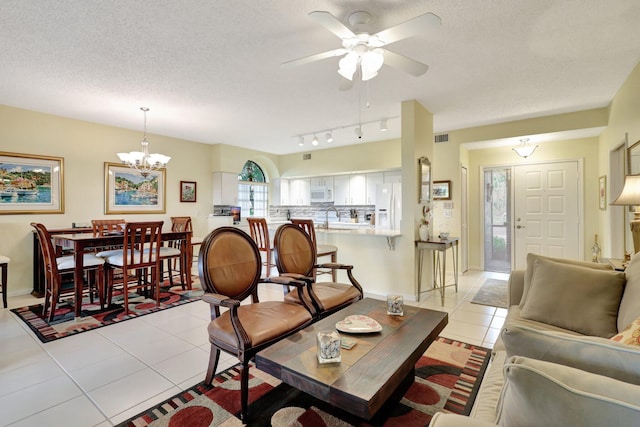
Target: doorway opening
497 219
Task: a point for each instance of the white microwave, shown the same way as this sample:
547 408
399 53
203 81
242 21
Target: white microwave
321 194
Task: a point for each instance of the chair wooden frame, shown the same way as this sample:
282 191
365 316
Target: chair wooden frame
132 257
53 274
230 267
295 256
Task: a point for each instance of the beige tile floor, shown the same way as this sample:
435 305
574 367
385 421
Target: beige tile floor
103 377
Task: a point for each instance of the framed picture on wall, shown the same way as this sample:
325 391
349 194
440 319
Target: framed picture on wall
126 191
188 191
441 190
31 184
602 192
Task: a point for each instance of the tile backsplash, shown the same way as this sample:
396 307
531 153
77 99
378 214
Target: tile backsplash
279 213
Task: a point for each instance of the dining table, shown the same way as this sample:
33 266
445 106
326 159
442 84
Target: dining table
82 243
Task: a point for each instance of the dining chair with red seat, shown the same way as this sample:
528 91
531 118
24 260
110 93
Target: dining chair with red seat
321 250
230 267
144 263
259 231
295 256
54 268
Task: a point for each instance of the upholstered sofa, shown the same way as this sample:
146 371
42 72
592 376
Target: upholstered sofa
568 353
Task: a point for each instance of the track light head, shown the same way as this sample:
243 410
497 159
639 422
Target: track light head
329 137
300 141
383 125
314 141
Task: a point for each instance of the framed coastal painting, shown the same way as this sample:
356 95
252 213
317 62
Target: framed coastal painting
441 190
31 183
128 192
188 191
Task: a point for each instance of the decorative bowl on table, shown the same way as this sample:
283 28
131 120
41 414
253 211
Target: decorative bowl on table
358 324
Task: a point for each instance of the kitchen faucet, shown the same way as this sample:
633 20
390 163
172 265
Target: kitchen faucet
326 215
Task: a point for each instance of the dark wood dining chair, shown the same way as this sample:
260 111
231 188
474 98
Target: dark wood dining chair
139 255
260 234
177 250
295 256
57 266
230 269
321 250
4 285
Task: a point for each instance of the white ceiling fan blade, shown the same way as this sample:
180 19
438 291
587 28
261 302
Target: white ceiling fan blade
312 58
410 28
332 24
405 64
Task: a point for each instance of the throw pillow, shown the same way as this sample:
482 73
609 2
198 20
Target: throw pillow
630 304
592 354
531 258
538 393
631 335
573 297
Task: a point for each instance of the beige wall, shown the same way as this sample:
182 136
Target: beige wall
585 149
624 118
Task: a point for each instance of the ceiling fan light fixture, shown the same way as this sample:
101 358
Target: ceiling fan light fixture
524 150
329 137
372 60
347 65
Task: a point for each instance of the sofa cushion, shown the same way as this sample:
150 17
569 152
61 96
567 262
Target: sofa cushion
574 297
531 258
593 354
484 408
630 304
538 393
630 335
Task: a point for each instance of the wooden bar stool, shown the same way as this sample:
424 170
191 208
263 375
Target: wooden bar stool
260 235
321 250
4 266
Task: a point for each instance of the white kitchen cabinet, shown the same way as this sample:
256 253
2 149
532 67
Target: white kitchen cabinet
300 191
373 179
393 177
279 193
322 181
358 189
341 190
225 188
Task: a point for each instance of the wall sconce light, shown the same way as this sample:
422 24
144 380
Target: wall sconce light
524 150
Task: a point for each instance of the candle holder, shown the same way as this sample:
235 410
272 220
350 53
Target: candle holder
328 347
395 305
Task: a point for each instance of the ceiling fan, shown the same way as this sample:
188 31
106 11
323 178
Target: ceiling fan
363 53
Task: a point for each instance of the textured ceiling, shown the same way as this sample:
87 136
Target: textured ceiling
210 70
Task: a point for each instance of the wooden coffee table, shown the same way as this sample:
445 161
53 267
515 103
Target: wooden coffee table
378 369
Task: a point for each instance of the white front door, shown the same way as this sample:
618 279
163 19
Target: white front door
547 216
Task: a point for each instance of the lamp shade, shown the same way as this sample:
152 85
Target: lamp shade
630 195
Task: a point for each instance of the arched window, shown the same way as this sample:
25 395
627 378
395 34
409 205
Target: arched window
253 190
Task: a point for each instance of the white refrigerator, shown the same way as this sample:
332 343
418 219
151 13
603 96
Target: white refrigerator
388 206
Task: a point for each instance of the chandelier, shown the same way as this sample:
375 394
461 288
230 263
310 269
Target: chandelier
525 149
143 162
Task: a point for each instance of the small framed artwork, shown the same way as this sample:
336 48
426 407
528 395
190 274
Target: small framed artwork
31 184
188 191
602 192
441 190
126 191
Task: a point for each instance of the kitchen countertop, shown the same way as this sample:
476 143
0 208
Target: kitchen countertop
364 231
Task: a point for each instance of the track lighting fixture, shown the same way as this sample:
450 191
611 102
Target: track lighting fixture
358 129
329 137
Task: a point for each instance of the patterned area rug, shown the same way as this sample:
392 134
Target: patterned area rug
64 324
493 292
447 379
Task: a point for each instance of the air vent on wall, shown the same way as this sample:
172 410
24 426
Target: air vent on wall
443 137
306 156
